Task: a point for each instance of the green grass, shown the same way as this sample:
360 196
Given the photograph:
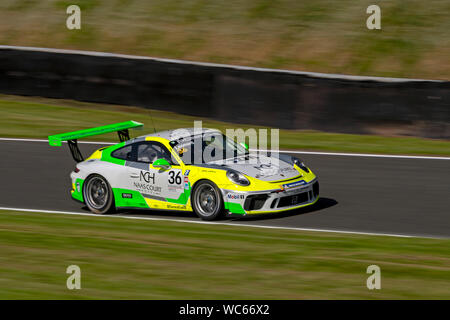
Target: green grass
39 118
131 259
321 35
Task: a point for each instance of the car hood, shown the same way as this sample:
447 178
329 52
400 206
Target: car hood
260 167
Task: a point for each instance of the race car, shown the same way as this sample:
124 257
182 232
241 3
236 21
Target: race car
186 169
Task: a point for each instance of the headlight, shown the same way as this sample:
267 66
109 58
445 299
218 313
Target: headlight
300 164
237 178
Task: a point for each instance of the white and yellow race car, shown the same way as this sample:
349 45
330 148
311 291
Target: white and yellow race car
169 171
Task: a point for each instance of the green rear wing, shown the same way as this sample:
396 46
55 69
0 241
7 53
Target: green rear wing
72 137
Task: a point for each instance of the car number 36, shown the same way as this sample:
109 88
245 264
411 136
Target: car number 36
174 178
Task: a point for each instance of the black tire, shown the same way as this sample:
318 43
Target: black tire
97 195
207 201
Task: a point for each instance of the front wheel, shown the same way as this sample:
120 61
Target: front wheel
98 195
207 201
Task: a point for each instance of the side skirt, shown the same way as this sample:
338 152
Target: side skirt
150 209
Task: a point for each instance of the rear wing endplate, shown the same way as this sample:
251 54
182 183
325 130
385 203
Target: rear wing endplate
72 137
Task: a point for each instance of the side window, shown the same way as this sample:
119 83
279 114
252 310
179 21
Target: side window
148 152
123 153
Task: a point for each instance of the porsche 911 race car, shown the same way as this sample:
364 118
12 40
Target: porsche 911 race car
163 171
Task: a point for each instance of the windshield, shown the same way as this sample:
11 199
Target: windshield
207 148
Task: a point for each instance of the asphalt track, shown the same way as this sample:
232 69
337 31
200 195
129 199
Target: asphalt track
404 196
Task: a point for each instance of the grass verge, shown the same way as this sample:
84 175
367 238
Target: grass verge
32 117
131 259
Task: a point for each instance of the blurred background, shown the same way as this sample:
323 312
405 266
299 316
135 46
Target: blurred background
300 36
321 36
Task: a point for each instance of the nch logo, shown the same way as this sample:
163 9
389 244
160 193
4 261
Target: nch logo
147 176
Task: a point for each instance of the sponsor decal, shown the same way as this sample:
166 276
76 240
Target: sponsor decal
235 196
170 206
146 184
293 185
147 177
147 188
186 173
186 183
174 187
127 195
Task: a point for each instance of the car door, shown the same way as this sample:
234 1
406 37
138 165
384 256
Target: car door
162 186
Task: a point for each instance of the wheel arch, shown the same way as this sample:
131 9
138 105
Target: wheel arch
218 212
200 180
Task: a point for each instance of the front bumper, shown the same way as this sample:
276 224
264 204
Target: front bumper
270 201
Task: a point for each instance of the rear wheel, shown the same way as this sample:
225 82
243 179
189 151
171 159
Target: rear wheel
207 200
98 195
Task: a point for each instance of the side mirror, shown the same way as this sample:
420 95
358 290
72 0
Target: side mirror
244 145
161 164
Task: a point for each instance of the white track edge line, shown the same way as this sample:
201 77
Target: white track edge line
373 155
217 223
